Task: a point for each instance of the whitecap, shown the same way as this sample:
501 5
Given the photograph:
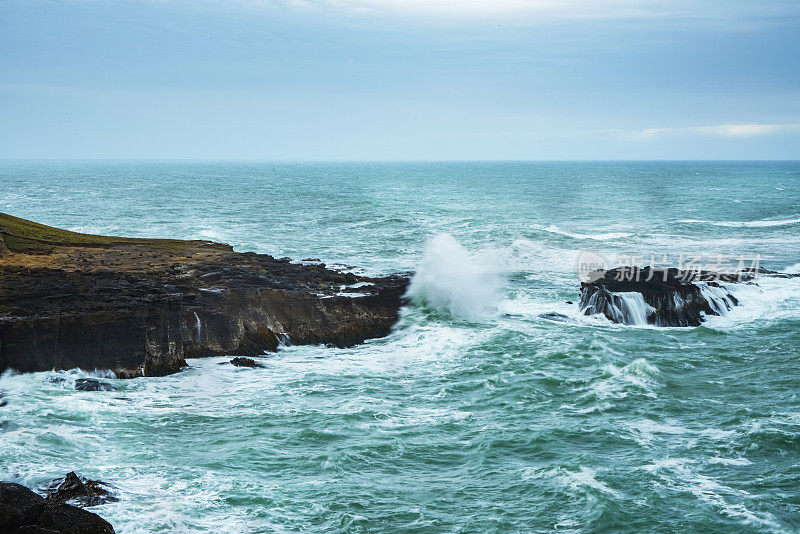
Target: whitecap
744 224
606 236
768 299
792 269
680 475
582 480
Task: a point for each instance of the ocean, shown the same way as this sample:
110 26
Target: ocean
494 406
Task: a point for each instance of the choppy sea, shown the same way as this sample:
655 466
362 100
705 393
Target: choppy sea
494 406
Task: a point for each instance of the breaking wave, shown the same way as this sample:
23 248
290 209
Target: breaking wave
744 224
598 237
449 279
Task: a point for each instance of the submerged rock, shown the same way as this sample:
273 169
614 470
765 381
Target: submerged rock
554 316
90 384
79 491
245 362
660 297
23 511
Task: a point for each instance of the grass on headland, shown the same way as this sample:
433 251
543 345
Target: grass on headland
28 237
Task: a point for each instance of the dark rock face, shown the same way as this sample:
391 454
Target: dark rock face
67 519
21 510
245 362
90 384
661 297
19 506
140 308
79 491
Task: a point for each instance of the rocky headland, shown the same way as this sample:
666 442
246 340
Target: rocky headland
139 307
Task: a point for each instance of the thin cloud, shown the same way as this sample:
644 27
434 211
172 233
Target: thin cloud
728 14
721 130
530 10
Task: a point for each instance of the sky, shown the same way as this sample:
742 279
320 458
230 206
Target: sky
400 79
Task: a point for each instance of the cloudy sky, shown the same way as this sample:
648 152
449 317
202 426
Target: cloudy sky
400 79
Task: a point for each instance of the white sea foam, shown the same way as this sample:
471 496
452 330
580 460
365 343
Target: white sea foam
635 308
768 299
618 382
683 475
792 269
744 224
628 307
718 297
606 236
581 481
450 279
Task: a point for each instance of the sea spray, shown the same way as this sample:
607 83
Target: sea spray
450 279
792 269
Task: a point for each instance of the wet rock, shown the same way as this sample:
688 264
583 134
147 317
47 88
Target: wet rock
23 511
245 362
90 384
79 491
554 316
660 297
129 373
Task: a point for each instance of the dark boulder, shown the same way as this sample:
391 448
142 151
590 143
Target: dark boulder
66 519
19 506
33 529
23 511
245 362
90 384
660 297
79 491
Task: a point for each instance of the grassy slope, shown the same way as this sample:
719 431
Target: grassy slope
21 235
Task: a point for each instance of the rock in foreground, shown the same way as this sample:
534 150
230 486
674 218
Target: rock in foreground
23 511
141 306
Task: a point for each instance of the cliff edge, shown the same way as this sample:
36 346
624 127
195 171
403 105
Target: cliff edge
141 306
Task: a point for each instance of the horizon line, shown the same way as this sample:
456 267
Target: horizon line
300 160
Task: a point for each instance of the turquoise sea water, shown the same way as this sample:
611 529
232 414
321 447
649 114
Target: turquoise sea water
484 411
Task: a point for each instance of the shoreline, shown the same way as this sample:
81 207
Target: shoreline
139 307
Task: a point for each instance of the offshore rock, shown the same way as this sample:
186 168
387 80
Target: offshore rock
90 384
23 511
245 362
661 297
78 491
139 307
